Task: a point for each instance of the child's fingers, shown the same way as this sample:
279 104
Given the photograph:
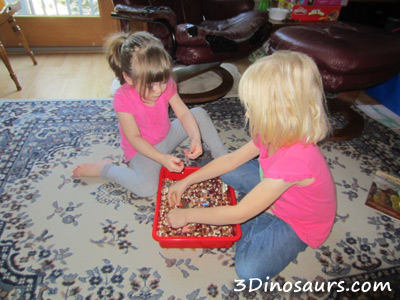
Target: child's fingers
176 165
172 198
188 154
169 221
175 200
197 153
180 166
174 218
192 154
178 161
198 150
195 149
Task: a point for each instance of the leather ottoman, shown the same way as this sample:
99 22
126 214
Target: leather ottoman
349 57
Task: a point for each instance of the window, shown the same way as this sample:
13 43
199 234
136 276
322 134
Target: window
62 23
58 8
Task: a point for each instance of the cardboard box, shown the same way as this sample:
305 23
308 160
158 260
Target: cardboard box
320 2
384 194
191 241
315 13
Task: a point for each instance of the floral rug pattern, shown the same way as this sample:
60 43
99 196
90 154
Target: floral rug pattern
66 238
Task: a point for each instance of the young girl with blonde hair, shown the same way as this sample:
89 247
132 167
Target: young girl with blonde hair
148 137
284 101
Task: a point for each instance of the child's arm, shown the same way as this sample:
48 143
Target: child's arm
189 124
261 197
132 133
216 167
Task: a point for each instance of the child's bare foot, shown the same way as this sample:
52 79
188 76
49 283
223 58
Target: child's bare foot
89 170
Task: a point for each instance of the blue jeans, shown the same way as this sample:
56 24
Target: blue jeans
244 178
268 244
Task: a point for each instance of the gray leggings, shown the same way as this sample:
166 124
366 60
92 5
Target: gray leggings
143 173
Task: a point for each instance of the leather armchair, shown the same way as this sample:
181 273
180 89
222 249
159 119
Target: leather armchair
199 31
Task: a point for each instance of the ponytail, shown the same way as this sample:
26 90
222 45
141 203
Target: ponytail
113 48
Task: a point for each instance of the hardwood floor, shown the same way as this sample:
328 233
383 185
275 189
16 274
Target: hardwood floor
63 76
57 76
72 76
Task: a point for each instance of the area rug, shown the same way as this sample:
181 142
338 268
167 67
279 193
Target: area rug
66 238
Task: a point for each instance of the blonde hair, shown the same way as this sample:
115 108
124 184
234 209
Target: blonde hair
284 98
139 55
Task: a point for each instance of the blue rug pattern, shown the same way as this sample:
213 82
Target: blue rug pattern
68 238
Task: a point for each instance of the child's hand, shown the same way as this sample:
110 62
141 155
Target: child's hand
175 192
177 217
196 149
173 164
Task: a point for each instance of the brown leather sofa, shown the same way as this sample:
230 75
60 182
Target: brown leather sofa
349 57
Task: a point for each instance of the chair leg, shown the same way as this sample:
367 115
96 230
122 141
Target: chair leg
194 70
22 38
355 122
4 58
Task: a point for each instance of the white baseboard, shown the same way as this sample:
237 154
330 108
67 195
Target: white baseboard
52 50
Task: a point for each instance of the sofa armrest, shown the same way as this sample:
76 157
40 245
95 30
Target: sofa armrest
162 14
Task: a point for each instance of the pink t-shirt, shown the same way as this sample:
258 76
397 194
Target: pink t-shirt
310 210
153 121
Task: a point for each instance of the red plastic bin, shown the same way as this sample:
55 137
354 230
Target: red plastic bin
191 241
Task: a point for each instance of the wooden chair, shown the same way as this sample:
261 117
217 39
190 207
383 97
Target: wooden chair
7 15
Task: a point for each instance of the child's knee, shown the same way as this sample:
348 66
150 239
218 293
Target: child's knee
199 113
202 118
147 189
250 271
250 265
243 271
